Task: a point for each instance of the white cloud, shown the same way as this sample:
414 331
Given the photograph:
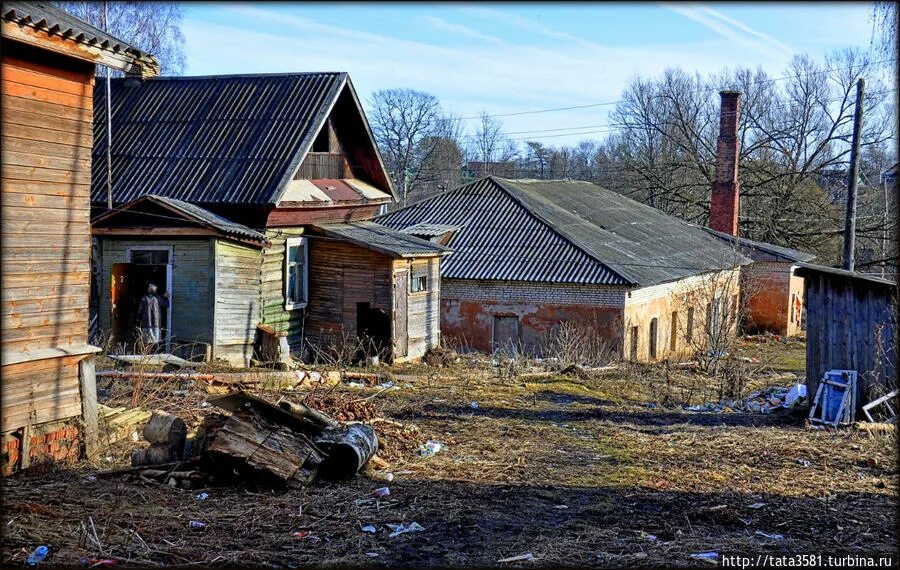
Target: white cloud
731 29
445 26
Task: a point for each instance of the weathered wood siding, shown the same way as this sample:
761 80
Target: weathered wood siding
851 325
272 288
237 300
47 133
424 307
192 274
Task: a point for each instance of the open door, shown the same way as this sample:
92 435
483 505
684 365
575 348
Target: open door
122 306
401 328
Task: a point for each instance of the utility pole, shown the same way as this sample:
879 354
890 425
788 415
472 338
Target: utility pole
109 200
850 222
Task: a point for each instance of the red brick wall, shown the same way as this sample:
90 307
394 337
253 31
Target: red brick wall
51 443
723 208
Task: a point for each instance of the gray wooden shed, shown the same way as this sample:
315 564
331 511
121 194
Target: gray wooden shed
851 324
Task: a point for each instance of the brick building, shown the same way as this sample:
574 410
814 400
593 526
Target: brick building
529 255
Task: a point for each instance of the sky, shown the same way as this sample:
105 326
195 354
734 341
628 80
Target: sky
512 58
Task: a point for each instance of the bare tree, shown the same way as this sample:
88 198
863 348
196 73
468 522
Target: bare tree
154 27
538 158
408 126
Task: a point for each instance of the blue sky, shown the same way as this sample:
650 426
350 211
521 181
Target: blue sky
508 58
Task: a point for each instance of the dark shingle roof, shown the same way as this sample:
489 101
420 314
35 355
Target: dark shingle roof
777 251
218 139
810 269
383 239
562 231
193 213
51 19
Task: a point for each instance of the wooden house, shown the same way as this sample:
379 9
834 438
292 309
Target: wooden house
248 199
851 325
48 65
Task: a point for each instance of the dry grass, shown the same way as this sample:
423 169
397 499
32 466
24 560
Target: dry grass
577 471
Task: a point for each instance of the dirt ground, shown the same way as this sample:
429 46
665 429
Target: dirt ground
576 470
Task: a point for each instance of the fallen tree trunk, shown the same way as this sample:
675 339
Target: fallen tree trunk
348 449
166 429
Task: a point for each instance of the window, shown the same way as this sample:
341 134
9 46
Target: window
654 326
689 329
673 341
295 273
418 283
148 256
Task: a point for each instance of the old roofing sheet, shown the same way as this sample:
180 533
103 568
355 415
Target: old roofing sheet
384 239
217 139
501 239
194 213
786 253
810 269
51 19
563 231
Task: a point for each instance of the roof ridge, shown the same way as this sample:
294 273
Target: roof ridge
233 76
515 193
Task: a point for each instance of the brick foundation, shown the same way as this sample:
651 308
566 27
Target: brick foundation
58 442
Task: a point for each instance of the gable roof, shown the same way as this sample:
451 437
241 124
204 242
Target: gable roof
382 239
234 139
777 251
51 20
563 232
189 212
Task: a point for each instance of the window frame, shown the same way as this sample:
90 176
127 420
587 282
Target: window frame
288 244
412 279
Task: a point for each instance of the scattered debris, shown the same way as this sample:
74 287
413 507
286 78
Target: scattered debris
431 448
835 399
202 496
803 462
381 492
519 558
160 359
402 528
886 401
372 554
197 525
708 556
37 556
761 402
756 506
369 528
770 536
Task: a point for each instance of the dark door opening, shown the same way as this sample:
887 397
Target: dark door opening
373 328
129 284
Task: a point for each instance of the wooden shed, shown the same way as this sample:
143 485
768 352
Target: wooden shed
851 325
48 65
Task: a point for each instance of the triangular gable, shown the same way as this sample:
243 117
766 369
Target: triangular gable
345 108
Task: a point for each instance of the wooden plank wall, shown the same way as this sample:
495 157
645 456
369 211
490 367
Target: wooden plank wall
192 271
237 300
272 288
45 137
423 308
850 325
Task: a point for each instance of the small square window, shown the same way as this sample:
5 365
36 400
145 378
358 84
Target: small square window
418 283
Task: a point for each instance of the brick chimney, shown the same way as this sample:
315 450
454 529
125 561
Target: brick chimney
723 207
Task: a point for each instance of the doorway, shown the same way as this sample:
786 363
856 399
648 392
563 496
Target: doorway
144 265
506 334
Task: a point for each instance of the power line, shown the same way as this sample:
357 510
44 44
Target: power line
699 90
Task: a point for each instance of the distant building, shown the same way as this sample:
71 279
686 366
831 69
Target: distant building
529 255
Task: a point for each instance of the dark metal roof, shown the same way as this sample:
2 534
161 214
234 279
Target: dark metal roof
430 230
51 19
382 239
785 253
501 239
219 139
564 231
193 213
808 269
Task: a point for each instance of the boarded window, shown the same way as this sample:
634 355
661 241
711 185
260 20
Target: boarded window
634 343
295 273
689 329
418 283
673 340
654 330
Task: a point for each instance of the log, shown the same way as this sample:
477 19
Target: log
166 429
156 454
306 412
155 375
348 449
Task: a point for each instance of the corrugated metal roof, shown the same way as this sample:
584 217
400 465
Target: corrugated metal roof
809 269
383 239
218 139
430 230
51 19
501 239
566 232
192 213
787 253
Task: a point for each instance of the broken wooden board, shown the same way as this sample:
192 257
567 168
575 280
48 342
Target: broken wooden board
117 424
155 360
256 445
242 401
